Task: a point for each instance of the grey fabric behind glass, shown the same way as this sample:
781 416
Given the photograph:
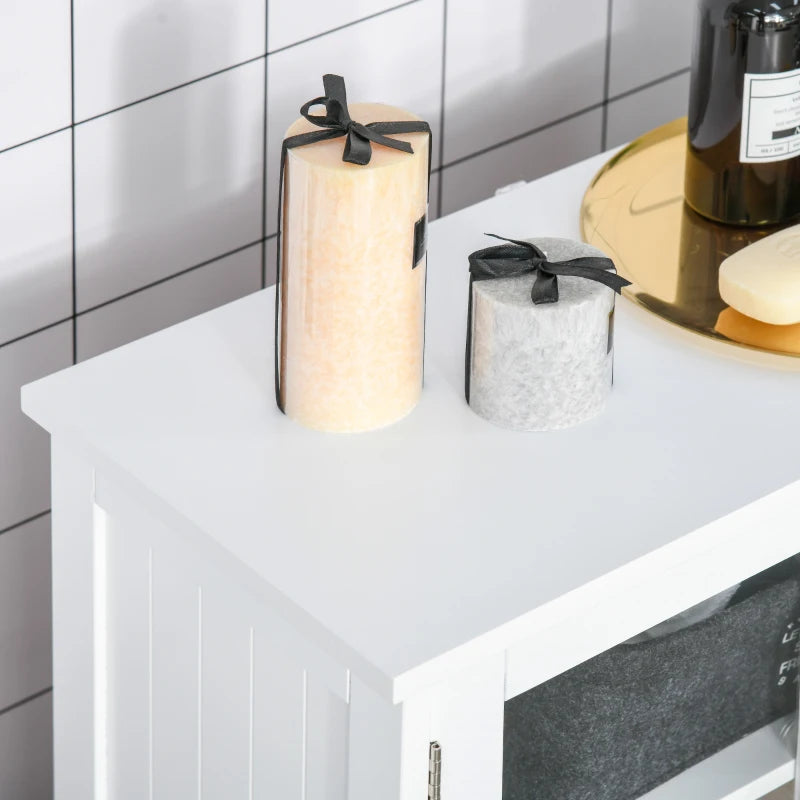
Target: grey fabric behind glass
635 716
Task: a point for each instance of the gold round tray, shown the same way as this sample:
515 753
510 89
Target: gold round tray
635 212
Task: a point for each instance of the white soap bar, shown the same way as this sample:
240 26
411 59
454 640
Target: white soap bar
763 280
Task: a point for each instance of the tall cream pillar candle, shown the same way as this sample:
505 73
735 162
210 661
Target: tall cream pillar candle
352 300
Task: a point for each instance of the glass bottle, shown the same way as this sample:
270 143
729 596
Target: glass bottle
743 158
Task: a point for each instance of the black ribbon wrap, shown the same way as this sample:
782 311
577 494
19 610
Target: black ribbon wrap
521 258
515 258
359 138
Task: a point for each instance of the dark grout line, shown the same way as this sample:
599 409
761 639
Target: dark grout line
27 335
225 69
520 136
35 331
72 180
567 118
607 76
24 522
168 278
25 700
442 109
650 84
171 89
343 27
266 237
35 139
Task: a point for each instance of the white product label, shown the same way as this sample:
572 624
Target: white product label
770 117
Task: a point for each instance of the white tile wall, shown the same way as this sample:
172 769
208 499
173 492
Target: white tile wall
170 302
35 235
170 192
434 195
661 31
24 446
532 156
287 26
25 652
514 65
26 751
34 69
127 51
395 56
169 183
270 259
641 111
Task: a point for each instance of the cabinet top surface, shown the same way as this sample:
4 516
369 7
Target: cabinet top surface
410 543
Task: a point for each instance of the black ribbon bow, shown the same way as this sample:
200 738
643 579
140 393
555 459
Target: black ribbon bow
335 123
521 258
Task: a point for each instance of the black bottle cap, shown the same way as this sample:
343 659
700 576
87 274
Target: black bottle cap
760 15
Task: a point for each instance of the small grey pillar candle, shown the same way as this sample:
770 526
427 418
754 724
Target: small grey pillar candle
541 367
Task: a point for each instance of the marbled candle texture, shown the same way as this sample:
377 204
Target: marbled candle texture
353 303
542 367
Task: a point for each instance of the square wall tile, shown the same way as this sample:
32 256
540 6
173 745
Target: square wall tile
127 51
649 40
168 183
395 58
35 235
35 80
26 751
515 65
24 446
287 26
271 256
525 159
170 302
25 626
433 198
637 113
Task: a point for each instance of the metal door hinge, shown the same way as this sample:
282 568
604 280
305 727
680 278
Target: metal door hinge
435 772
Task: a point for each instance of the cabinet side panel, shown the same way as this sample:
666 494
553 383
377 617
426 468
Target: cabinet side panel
77 767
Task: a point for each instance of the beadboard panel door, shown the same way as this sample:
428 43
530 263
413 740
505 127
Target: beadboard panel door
209 694
203 690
